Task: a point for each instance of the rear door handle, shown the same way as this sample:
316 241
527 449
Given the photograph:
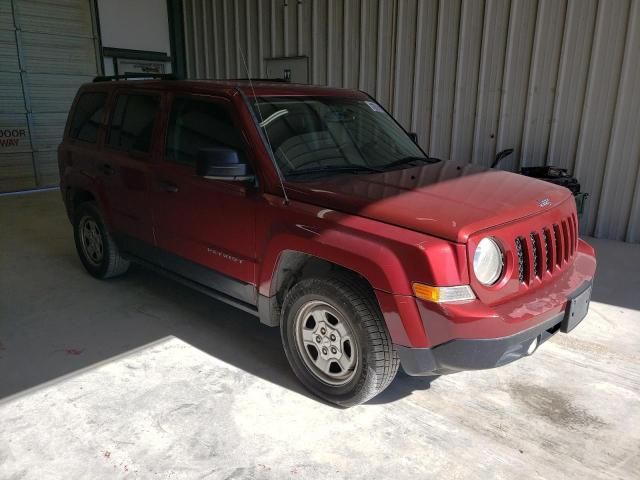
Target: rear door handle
107 169
169 187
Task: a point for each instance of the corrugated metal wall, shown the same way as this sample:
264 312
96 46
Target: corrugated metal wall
558 80
47 50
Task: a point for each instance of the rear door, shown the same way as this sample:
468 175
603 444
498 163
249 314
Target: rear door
130 148
206 226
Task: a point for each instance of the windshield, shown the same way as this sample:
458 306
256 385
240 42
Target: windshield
315 135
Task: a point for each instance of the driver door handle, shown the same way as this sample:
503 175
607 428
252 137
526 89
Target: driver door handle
169 187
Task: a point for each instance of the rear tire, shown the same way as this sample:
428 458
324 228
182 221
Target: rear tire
96 248
336 340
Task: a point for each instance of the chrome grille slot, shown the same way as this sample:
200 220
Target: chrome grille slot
546 240
520 254
558 239
535 267
574 235
567 241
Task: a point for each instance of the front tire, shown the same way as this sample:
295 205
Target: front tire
96 248
336 340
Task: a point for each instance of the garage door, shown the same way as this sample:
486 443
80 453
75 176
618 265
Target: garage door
47 49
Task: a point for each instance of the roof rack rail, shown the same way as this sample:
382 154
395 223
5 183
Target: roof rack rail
278 80
138 76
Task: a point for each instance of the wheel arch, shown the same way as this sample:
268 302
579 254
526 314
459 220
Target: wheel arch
74 196
293 265
77 194
373 262
80 195
290 257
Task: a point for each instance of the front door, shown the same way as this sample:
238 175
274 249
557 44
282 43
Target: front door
205 228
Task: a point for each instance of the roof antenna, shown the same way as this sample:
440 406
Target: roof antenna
266 134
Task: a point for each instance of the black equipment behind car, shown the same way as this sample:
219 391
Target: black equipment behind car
549 173
556 175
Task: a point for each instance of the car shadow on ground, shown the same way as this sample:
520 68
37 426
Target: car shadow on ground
60 320
403 386
99 320
57 320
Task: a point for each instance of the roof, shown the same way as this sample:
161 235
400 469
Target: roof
267 88
249 88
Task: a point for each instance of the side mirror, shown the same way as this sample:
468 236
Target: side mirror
221 163
414 137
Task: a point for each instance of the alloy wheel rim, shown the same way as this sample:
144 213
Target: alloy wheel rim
91 240
326 343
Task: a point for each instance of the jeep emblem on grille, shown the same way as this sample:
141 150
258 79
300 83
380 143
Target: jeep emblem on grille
545 202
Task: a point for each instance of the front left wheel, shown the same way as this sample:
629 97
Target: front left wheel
336 340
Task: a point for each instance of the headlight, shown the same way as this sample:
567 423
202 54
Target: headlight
487 261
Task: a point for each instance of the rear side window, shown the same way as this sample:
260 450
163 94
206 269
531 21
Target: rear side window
87 117
197 124
132 122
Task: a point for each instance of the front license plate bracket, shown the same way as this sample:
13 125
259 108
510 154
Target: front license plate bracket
577 308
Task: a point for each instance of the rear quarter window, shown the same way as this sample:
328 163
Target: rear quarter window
88 116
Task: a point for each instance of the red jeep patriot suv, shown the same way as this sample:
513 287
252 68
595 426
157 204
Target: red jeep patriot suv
312 209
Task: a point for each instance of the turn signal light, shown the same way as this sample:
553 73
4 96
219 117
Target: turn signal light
443 294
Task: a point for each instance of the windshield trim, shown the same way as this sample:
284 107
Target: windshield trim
265 144
426 155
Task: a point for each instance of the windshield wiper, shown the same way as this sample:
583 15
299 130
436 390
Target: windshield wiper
334 168
408 160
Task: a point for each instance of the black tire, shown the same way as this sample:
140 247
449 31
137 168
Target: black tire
111 263
377 359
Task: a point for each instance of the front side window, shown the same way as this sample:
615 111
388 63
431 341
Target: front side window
197 124
133 121
87 117
333 134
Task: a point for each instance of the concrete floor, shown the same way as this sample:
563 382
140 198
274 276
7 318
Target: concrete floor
140 377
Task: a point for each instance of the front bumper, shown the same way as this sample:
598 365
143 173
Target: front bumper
478 354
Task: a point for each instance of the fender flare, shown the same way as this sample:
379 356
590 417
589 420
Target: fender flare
76 182
373 261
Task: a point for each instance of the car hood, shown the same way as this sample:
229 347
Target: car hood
447 199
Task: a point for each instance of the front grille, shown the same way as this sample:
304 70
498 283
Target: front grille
547 250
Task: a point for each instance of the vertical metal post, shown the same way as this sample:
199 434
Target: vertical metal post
176 38
97 36
299 13
260 40
25 89
285 27
205 40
